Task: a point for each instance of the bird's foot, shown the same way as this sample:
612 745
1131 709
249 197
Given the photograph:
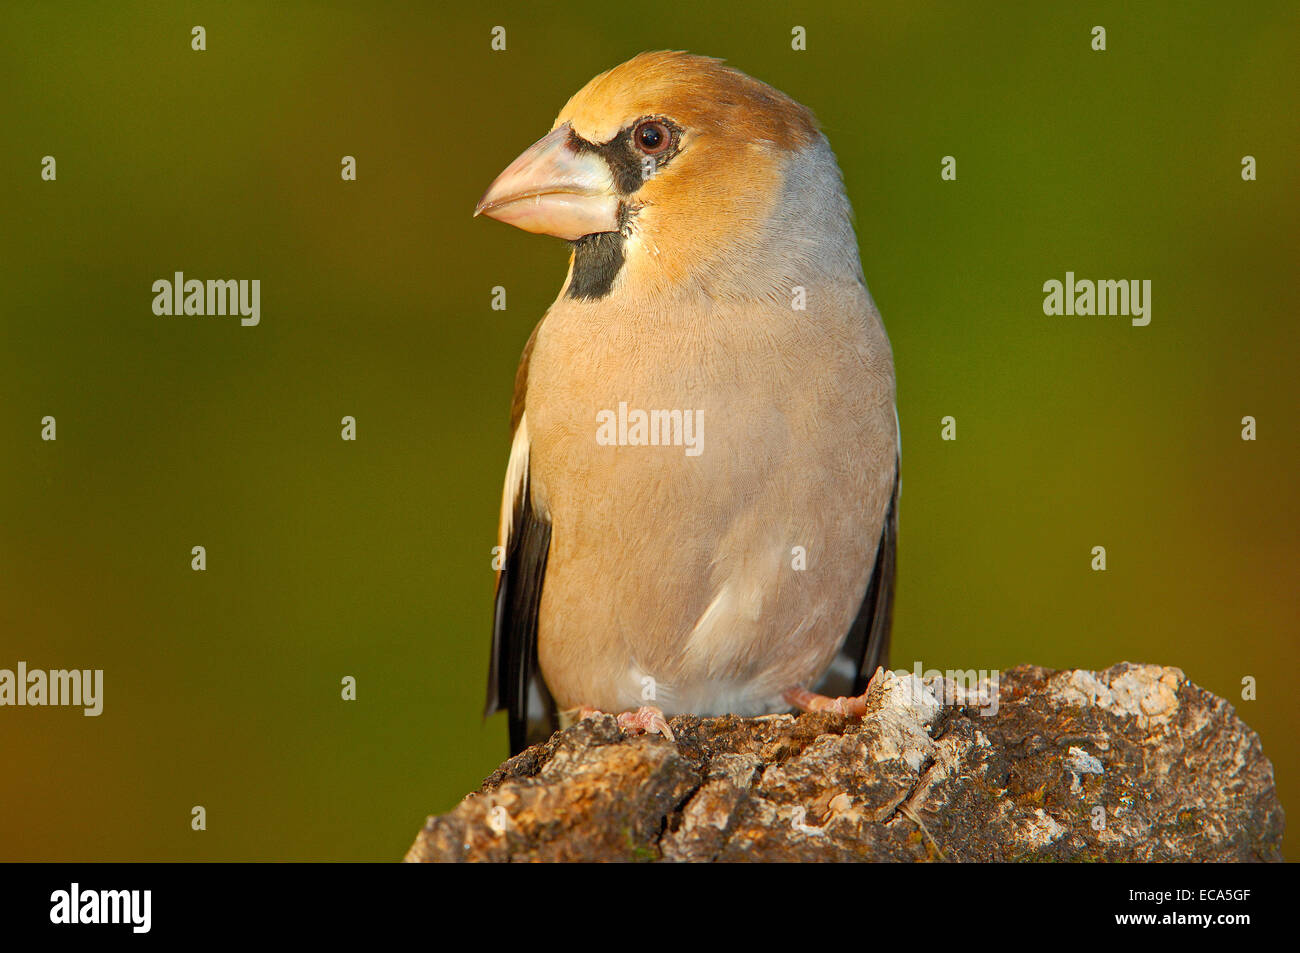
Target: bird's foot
805 700
643 720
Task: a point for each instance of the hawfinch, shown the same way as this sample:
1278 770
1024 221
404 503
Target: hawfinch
700 507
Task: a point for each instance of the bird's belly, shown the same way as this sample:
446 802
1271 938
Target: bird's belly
652 636
707 585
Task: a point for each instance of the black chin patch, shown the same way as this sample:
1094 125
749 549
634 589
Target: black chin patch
598 258
596 262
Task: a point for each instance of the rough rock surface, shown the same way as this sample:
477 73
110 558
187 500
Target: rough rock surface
1134 763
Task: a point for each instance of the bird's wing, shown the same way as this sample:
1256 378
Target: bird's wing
514 678
867 645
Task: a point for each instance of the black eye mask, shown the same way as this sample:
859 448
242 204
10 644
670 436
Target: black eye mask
627 162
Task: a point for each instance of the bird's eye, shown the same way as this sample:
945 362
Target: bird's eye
652 137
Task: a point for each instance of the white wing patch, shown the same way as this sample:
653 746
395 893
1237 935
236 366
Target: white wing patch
516 471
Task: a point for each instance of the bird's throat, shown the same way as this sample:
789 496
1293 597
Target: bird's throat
597 260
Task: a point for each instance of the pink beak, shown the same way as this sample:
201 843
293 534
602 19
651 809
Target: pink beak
554 189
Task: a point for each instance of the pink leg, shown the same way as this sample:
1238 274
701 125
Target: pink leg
805 700
637 722
647 719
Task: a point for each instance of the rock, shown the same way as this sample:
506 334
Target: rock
1135 763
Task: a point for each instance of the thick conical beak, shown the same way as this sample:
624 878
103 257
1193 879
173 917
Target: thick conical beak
554 189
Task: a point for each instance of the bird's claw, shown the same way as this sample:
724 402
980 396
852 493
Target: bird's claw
645 719
805 700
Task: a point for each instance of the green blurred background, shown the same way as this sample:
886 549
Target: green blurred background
372 558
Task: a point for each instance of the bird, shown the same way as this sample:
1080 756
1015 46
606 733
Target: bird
700 510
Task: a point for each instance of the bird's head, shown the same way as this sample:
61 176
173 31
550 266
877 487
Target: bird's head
673 169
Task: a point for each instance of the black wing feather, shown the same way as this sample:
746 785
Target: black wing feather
514 678
867 645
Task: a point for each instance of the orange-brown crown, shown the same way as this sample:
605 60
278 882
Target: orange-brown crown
701 92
